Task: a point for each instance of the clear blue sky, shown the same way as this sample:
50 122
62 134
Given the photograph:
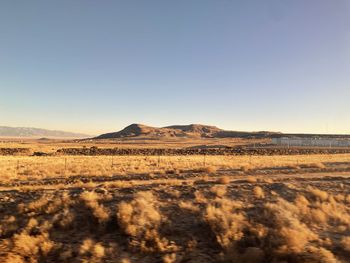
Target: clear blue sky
96 66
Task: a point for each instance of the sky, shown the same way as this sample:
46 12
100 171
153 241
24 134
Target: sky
97 66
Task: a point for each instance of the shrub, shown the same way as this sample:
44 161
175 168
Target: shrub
141 220
287 233
219 190
225 222
98 210
258 192
318 194
224 180
345 242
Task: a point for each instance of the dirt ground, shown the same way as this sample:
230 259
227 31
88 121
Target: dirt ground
176 209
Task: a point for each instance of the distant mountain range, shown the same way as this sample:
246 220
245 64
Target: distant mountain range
25 132
140 131
186 131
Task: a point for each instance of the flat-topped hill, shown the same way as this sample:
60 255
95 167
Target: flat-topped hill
185 131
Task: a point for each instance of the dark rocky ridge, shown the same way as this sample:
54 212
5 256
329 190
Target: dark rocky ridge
95 151
15 151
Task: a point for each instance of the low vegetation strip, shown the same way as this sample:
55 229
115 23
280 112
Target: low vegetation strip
205 151
15 151
234 151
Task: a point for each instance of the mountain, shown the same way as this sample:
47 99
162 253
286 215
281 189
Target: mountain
196 129
140 130
25 132
187 131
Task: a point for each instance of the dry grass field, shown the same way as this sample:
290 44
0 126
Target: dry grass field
175 208
51 145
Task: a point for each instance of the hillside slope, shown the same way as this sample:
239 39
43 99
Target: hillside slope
186 131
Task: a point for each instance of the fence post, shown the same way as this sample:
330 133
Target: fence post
158 160
17 168
204 159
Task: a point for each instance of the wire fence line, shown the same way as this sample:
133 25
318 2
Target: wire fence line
109 165
88 164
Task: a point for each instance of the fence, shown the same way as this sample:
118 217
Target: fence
58 166
33 167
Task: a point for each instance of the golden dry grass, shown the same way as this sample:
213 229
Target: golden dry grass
221 223
52 145
175 210
21 167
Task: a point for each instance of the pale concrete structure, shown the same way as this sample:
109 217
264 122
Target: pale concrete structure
315 142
